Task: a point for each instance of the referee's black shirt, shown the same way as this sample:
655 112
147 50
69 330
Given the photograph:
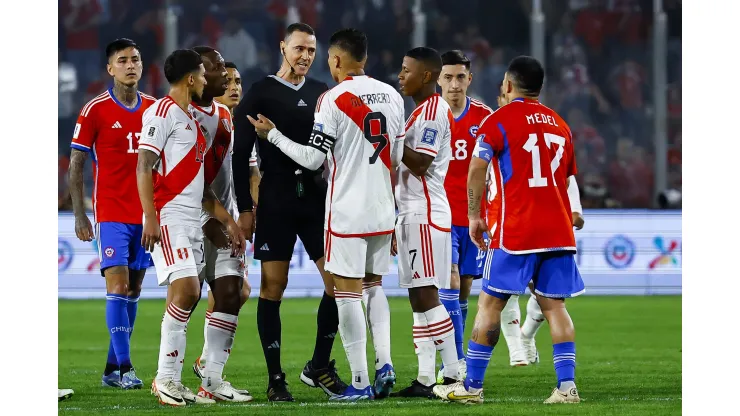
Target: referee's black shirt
291 108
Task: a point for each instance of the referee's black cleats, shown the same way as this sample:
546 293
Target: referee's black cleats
277 389
325 378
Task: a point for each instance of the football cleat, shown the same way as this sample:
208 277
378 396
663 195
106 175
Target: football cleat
243 392
168 392
351 394
191 397
385 379
325 378
130 381
518 358
65 394
416 389
199 369
571 396
530 348
457 392
112 380
462 371
277 389
223 393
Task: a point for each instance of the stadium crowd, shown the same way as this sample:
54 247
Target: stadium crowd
598 64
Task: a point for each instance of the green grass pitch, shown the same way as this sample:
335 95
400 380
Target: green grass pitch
628 355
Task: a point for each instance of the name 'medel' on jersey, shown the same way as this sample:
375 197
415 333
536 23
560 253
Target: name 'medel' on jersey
532 149
356 122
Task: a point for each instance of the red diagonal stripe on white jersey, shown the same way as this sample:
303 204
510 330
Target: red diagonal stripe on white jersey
167 187
348 104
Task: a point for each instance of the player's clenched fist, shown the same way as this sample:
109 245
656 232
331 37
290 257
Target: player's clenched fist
151 233
236 236
246 223
476 229
83 228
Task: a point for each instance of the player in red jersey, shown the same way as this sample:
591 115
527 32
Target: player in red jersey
173 191
108 128
533 236
467 259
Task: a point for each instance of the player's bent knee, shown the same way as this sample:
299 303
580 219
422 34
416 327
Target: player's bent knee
117 280
490 301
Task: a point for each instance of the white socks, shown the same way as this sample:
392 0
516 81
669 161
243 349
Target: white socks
220 335
534 318
353 330
172 343
204 354
511 316
379 320
425 350
442 332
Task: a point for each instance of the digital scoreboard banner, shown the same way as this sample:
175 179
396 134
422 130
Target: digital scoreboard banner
620 252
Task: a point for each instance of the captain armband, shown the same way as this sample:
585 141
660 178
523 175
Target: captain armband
321 141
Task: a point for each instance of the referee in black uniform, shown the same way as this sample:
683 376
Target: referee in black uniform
291 203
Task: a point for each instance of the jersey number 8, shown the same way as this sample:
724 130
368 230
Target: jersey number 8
375 130
537 180
461 150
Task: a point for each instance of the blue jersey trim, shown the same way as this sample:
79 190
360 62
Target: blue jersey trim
465 111
130 110
504 159
80 147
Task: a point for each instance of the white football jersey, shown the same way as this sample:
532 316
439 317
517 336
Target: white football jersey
357 122
215 122
424 200
172 133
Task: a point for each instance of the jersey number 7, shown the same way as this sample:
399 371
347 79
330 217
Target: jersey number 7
375 130
531 146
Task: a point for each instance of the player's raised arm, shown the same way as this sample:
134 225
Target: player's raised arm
431 127
398 139
321 142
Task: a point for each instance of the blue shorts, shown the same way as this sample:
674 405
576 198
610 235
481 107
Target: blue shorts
120 245
553 273
465 254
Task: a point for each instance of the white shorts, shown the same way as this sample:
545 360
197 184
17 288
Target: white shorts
179 253
219 263
424 256
356 256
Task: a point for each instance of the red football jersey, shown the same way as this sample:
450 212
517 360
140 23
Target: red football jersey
110 132
464 132
532 148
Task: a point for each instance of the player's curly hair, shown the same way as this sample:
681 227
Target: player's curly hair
181 63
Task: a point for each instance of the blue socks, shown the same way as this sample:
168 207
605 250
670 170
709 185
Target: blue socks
477 362
116 317
464 311
564 359
450 298
132 308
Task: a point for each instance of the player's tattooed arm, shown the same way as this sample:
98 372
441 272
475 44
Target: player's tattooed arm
83 227
417 162
476 185
144 165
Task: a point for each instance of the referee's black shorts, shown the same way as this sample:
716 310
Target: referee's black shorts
282 216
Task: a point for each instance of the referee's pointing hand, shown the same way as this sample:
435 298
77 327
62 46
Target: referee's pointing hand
262 125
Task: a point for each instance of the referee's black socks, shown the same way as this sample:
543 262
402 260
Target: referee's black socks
270 329
327 325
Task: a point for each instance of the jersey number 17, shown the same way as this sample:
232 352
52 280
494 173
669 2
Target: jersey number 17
532 146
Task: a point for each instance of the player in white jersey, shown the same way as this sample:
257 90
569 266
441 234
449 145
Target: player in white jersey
172 191
212 228
423 229
223 271
359 128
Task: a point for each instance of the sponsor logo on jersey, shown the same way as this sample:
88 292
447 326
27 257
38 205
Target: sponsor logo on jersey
77 130
151 132
226 124
109 252
301 103
116 125
619 252
188 127
429 136
66 254
473 130
666 257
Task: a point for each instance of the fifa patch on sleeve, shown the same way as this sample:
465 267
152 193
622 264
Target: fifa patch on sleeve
318 127
151 132
429 136
77 131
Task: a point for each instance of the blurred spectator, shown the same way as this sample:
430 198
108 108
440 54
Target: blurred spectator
237 46
67 112
630 176
629 82
81 19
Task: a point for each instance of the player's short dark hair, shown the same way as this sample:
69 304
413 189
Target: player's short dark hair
527 74
202 50
180 63
229 64
352 41
299 27
455 57
428 57
119 45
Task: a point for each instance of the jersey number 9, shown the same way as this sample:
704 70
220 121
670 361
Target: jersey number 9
375 130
